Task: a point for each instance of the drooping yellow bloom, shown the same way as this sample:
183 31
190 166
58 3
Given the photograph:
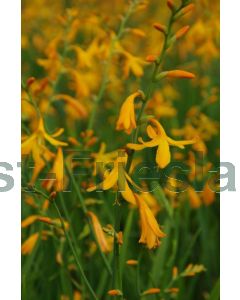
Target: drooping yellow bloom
99 233
127 120
150 231
159 139
35 144
58 171
117 176
29 244
76 108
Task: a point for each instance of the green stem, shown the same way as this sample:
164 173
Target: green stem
84 208
117 277
80 269
151 85
104 82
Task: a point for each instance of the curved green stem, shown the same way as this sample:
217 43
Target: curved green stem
80 269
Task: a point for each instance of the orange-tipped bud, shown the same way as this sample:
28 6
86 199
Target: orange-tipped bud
171 4
187 9
179 74
120 237
152 291
151 58
160 27
181 32
184 11
30 81
131 262
114 293
53 195
46 220
174 272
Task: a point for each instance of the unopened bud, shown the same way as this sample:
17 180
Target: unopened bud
181 32
114 293
171 5
160 27
30 81
184 11
151 58
131 262
52 196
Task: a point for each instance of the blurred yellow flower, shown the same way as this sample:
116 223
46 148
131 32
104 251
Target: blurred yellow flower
58 170
35 144
105 247
29 244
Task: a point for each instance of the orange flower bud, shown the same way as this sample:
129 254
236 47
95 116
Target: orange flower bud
187 9
132 262
120 237
152 291
182 32
171 5
53 195
114 293
184 11
30 81
174 272
179 74
160 27
45 220
151 58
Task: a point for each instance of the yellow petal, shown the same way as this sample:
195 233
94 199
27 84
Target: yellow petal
163 155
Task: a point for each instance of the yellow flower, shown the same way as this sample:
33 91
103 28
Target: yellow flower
99 232
29 244
194 198
159 139
150 231
117 176
134 64
101 158
35 144
76 108
127 119
58 171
